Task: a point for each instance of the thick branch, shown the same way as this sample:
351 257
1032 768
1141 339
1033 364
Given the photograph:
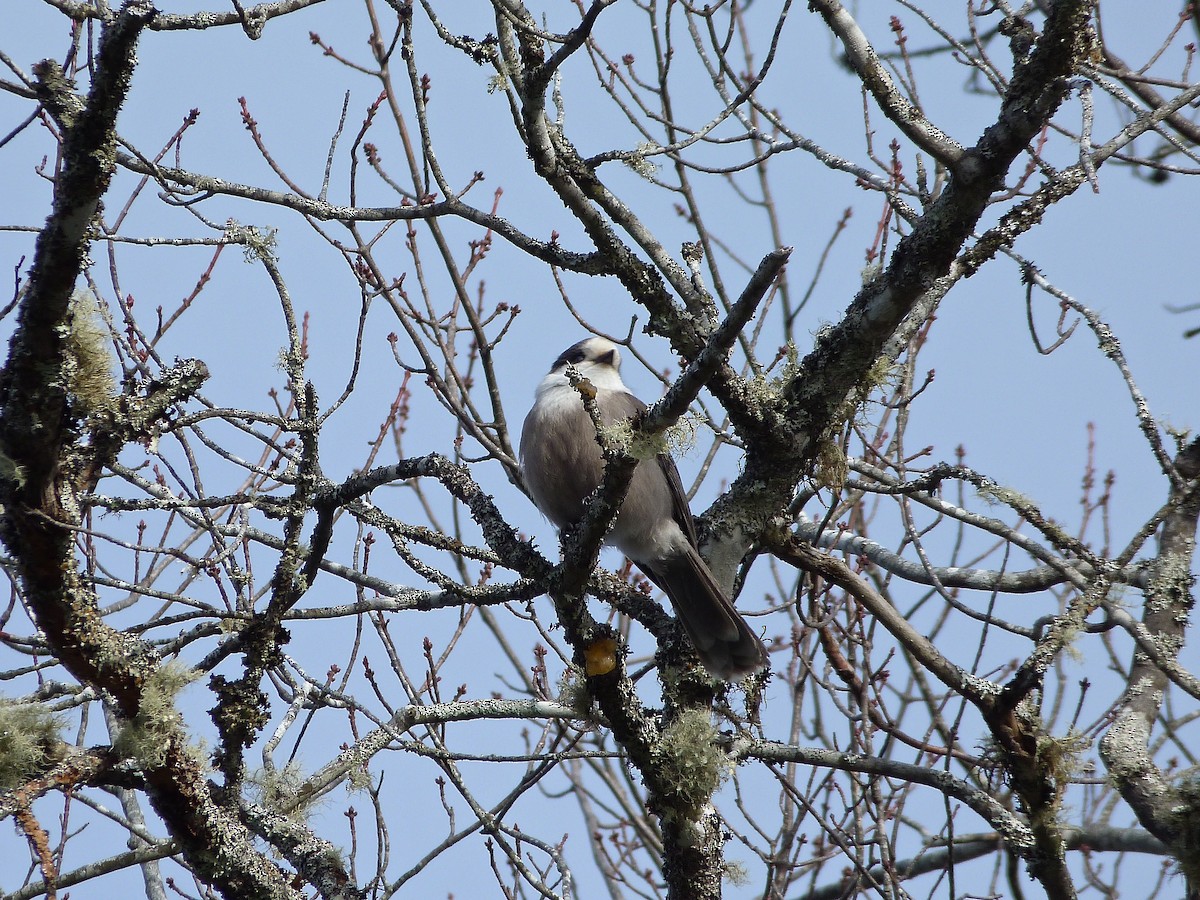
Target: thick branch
40 505
783 432
1167 811
907 117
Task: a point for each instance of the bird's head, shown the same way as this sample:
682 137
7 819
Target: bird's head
588 356
596 359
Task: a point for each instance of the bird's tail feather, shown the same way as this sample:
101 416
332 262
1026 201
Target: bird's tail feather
722 638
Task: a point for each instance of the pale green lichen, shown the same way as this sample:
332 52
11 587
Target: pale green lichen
1181 435
1187 825
358 779
638 162
146 737
281 791
736 873
573 692
791 361
998 495
89 361
10 470
1071 649
681 437
28 735
883 372
763 392
256 245
1058 757
691 762
678 439
831 468
993 493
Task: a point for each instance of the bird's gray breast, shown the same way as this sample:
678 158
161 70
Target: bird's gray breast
560 458
563 465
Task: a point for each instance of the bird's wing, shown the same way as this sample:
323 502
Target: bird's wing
680 511
625 406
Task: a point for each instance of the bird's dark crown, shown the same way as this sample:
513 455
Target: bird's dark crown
595 350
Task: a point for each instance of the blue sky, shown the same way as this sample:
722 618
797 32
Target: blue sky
1127 252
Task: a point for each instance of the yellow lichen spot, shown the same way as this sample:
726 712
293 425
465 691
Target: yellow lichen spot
600 657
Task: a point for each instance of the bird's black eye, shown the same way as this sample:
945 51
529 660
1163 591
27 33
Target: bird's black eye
606 359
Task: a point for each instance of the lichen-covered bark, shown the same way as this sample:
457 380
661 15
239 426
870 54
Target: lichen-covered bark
37 429
782 424
783 428
1168 811
49 467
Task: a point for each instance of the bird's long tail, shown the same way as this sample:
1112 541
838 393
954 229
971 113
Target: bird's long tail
722 638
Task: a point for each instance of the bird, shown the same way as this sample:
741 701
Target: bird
562 465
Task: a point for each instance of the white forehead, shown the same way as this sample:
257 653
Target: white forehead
596 347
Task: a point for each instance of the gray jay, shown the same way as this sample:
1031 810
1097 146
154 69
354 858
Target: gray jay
562 465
